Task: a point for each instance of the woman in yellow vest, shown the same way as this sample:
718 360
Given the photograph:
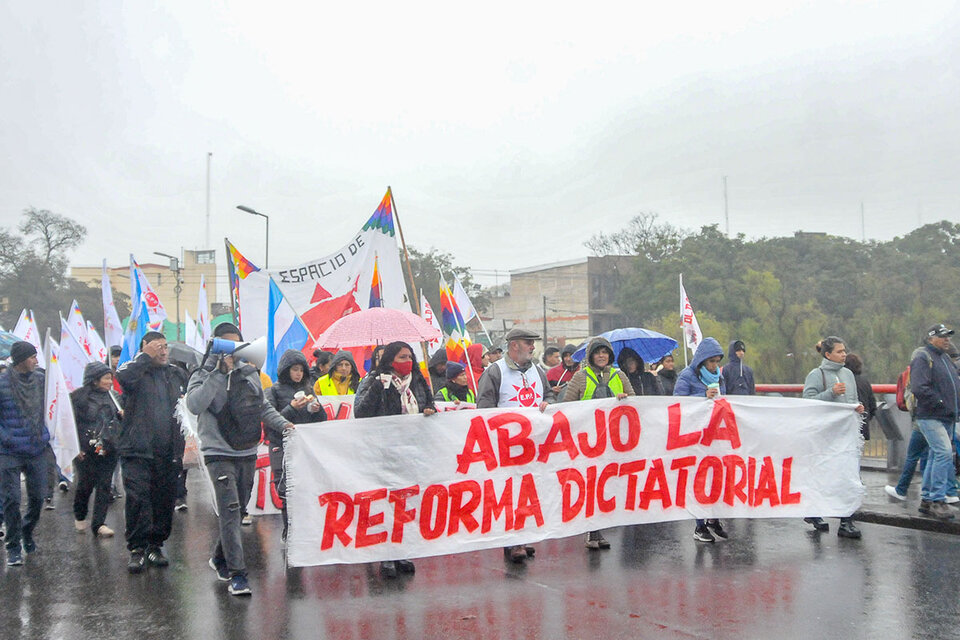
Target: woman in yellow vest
342 379
457 389
598 379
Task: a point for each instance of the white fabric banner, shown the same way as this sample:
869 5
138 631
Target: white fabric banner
688 321
27 331
58 414
112 329
412 486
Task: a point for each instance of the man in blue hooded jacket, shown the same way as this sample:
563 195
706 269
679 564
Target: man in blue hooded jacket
737 376
702 379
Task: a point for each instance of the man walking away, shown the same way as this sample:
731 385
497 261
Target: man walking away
737 376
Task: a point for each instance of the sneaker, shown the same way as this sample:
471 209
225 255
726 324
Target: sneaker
941 511
156 558
14 557
80 525
892 492
388 569
406 566
63 486
181 505
103 531
223 574
239 586
593 540
925 507
137 561
48 504
702 534
28 544
819 524
246 520
848 530
952 499
717 529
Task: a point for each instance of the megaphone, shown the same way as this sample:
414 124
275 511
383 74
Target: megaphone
253 352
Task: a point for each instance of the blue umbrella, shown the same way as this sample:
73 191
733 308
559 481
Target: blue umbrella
649 345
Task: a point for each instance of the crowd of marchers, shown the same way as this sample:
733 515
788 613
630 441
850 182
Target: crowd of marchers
127 423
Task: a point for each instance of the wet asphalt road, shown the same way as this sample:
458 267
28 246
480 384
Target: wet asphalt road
773 578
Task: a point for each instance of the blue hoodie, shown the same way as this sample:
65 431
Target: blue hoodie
688 382
738 376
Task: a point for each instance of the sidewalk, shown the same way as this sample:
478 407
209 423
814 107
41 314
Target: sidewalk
879 508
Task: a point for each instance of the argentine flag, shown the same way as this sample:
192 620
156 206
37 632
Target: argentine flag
285 330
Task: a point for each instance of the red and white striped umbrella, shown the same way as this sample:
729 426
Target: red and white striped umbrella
378 325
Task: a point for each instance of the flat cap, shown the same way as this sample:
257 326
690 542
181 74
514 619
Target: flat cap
518 333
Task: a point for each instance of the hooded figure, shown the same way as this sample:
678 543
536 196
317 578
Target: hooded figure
282 397
737 376
693 380
335 383
594 381
475 362
563 372
97 420
643 382
437 366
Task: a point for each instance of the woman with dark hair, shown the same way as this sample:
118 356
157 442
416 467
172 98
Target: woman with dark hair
292 397
864 392
394 387
643 382
97 418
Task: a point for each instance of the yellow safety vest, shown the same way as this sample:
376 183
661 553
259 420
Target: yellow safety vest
615 384
324 386
446 396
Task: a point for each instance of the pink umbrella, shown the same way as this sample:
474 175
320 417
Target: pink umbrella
378 325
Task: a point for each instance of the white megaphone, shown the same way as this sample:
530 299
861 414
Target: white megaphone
253 352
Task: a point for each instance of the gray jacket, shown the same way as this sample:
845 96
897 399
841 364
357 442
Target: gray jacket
207 394
820 381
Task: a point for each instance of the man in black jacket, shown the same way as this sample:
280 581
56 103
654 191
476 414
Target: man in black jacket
150 448
936 386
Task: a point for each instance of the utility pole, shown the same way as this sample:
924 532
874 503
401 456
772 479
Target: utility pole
726 206
544 324
863 224
206 237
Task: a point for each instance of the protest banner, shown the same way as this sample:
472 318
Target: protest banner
264 499
413 486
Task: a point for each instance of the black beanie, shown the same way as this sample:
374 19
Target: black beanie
20 351
224 328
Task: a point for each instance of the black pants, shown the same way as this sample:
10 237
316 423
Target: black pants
151 488
95 472
34 468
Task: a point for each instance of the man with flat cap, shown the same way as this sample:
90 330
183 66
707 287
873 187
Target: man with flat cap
936 387
515 381
23 442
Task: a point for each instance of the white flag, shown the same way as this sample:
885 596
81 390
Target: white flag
433 345
467 311
97 349
203 315
112 329
190 335
688 321
72 357
58 414
140 288
79 327
27 331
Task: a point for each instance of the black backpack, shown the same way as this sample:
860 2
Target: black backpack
240 417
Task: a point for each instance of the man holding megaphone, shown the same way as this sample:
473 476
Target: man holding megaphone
226 394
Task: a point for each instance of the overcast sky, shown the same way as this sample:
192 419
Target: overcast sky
510 132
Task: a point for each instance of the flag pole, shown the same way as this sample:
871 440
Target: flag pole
683 331
479 319
413 285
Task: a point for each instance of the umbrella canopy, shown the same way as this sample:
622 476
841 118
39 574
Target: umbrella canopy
649 345
6 341
377 325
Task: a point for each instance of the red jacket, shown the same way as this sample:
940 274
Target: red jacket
560 374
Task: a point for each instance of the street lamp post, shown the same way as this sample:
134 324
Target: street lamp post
178 288
266 258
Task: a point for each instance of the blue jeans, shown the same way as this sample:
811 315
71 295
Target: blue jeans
938 476
916 453
34 468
